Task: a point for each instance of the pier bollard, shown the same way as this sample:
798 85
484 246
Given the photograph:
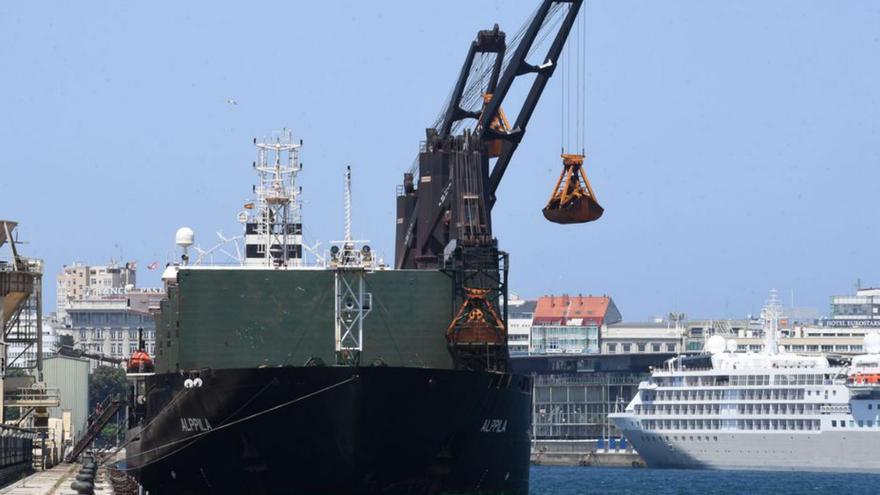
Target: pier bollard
83 487
84 477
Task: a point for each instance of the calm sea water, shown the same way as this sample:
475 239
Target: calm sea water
548 480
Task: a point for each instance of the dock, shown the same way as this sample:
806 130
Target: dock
55 481
583 453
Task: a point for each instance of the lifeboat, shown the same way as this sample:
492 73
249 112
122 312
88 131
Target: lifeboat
864 379
140 362
573 199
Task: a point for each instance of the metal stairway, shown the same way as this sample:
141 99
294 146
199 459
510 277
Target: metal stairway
109 407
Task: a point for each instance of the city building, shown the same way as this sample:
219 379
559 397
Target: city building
643 338
698 331
520 313
571 324
825 336
863 307
79 281
109 324
573 396
812 339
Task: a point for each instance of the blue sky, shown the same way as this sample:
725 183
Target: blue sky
734 144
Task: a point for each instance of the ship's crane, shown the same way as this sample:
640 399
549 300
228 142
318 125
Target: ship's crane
70 351
444 207
447 204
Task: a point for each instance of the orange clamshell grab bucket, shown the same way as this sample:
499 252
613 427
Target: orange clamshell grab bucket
573 199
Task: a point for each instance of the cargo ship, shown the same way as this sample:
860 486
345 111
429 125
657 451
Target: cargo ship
276 375
772 410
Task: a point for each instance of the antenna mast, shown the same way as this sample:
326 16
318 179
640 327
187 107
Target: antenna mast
353 302
273 222
770 316
347 205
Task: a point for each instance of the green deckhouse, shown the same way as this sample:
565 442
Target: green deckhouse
239 318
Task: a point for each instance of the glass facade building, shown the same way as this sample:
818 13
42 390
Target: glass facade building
865 304
565 339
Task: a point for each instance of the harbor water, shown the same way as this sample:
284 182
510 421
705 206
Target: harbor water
552 480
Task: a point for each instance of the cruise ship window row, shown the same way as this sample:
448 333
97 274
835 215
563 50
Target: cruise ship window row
713 409
732 424
652 438
856 424
741 380
686 395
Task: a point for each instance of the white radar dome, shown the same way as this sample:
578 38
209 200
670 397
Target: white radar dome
731 345
184 237
715 344
872 342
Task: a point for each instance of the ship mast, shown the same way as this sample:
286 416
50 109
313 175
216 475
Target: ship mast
348 205
273 222
353 302
770 316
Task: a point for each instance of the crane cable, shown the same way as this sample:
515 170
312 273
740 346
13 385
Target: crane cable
584 96
472 96
579 77
573 91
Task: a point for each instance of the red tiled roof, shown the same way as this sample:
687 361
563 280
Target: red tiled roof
559 309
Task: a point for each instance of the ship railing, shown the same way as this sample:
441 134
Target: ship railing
285 192
592 379
34 397
835 409
682 369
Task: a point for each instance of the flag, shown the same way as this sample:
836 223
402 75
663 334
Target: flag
152 266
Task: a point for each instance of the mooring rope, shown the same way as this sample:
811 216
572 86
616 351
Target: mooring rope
193 438
144 428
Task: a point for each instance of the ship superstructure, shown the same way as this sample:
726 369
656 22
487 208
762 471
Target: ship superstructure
768 410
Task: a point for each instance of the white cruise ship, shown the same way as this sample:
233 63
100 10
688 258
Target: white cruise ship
771 411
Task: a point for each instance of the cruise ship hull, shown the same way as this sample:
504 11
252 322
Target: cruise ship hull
835 451
334 430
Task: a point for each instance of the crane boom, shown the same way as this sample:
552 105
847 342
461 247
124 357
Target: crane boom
450 205
66 350
544 72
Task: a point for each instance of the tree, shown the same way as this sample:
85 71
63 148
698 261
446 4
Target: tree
103 382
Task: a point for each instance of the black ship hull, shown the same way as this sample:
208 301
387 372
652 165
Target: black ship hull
334 430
